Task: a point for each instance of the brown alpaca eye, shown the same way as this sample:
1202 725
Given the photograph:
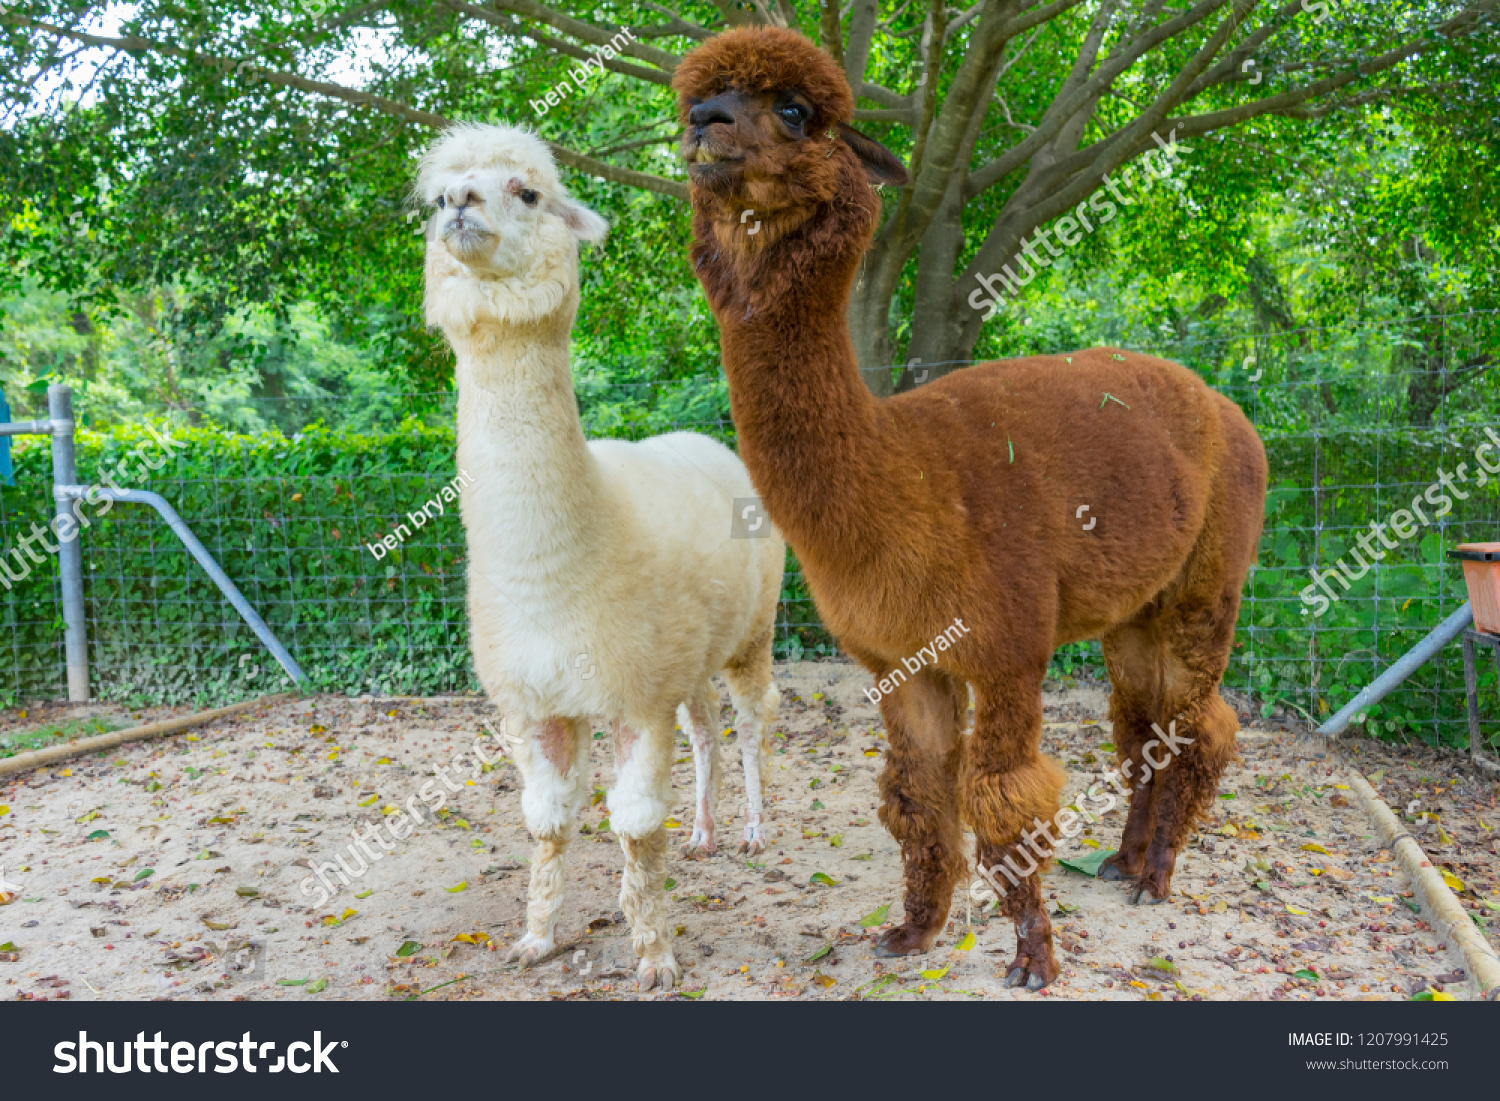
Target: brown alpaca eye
528 196
792 114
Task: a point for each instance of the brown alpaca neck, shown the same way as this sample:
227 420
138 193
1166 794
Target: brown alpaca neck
810 432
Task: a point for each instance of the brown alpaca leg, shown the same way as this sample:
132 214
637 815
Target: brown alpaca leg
919 803
1186 786
1010 796
1133 662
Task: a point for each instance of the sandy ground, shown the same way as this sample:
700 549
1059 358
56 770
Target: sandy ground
171 869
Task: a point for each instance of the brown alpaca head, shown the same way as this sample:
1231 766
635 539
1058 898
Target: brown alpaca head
765 117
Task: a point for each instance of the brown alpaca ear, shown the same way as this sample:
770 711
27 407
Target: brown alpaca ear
881 165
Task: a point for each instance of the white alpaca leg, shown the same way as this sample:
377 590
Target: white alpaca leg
637 806
553 758
643 898
755 699
699 718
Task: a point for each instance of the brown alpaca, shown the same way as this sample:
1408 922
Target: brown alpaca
960 500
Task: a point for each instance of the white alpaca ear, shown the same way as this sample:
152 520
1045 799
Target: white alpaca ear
582 222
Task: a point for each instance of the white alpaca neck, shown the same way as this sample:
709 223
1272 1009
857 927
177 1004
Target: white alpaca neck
535 510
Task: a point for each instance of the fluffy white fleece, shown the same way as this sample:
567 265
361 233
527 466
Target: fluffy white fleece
603 581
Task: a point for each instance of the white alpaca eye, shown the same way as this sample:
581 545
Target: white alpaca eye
441 202
528 196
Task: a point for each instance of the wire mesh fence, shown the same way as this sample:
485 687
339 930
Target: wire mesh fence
1384 449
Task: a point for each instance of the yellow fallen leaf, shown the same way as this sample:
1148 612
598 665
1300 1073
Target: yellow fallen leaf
872 753
1384 899
1229 829
332 755
1249 835
1443 836
1314 847
825 981
461 823
346 915
100 879
1089 841
455 890
472 938
1454 883
317 728
1295 910
1342 787
66 772
672 824
1484 826
193 738
1442 996
4 810
1315 871
1142 985
390 810
967 942
370 801
384 761
938 974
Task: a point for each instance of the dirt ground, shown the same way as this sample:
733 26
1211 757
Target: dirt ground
171 869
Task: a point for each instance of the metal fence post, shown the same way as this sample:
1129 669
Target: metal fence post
69 552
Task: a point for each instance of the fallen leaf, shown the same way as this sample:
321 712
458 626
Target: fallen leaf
825 981
837 841
1454 883
819 954
1295 909
672 824
1161 963
217 926
472 938
366 893
410 948
819 877
1314 847
669 884
292 982
317 987
247 892
1087 864
1305 973
370 801
455 890
937 974
875 916
98 835
143 873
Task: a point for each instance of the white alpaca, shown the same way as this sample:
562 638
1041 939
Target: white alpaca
603 579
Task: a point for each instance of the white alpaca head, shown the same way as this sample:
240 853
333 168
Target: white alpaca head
502 237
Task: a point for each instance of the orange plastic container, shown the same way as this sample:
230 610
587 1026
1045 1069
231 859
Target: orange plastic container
1482 579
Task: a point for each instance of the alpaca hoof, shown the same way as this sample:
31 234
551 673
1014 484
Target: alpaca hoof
657 973
754 842
904 940
1016 977
1115 868
692 851
530 950
1033 975
1144 890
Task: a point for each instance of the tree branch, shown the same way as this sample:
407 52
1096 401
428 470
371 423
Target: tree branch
654 76
133 45
585 32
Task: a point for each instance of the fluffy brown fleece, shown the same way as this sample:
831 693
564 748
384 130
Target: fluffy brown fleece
961 498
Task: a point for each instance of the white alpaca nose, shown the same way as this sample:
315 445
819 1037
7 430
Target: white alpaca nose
462 194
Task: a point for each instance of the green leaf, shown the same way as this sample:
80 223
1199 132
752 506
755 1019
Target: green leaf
98 835
317 987
1088 864
1162 964
819 954
875 916
292 982
142 874
692 995
410 948
819 877
1306 973
366 893
670 883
